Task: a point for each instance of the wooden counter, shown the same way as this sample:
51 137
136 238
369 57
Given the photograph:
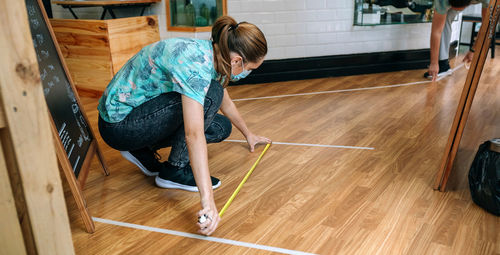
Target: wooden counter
95 50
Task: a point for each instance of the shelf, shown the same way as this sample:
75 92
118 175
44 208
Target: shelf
194 16
392 12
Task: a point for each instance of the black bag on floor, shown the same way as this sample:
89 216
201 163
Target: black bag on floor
484 177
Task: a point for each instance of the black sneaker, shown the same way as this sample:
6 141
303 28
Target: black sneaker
146 159
444 68
172 177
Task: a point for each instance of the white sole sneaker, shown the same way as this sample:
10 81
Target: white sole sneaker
127 155
445 73
166 184
441 74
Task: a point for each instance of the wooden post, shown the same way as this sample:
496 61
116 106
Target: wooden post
11 236
27 151
468 92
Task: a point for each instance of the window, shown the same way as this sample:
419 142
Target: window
194 15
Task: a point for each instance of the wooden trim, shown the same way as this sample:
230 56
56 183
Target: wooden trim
467 97
182 29
224 7
168 15
203 29
27 141
190 29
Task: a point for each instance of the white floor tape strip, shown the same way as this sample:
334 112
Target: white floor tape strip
349 90
451 72
200 237
311 145
334 91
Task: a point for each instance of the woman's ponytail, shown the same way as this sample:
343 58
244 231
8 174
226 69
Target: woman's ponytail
242 38
220 31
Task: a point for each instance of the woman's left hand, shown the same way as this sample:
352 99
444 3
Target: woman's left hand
468 57
253 140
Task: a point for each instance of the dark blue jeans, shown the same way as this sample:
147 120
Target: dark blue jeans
158 123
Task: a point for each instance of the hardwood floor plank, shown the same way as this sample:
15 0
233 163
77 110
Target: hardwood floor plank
316 199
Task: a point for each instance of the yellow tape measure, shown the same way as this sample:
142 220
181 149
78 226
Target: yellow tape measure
243 182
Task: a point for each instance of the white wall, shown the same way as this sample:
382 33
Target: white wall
473 10
301 28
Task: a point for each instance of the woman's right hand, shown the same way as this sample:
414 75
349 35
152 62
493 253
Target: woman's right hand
468 58
192 113
211 214
433 71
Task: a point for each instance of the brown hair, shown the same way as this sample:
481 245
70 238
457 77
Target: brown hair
460 3
242 38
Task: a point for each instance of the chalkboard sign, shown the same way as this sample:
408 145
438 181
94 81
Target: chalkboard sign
74 132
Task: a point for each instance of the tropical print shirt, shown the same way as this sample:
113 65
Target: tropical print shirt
182 65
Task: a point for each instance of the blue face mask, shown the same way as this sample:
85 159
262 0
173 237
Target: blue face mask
241 75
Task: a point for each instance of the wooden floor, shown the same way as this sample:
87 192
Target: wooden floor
318 199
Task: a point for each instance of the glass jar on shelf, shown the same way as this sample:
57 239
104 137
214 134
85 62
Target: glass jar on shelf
194 16
387 12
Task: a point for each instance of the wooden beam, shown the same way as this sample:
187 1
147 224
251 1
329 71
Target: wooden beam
27 140
11 237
